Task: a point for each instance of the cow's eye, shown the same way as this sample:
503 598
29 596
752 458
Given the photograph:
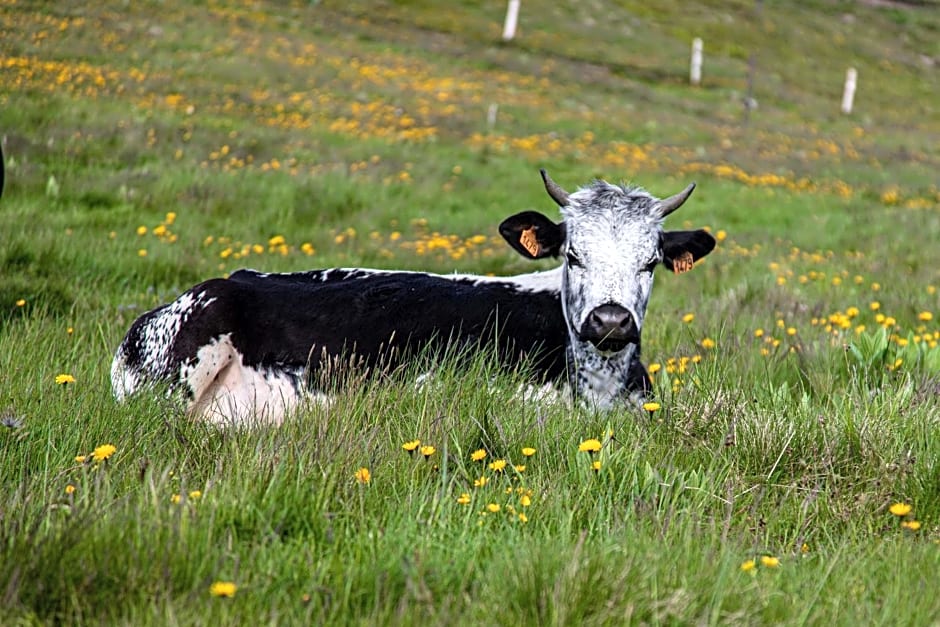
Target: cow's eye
573 260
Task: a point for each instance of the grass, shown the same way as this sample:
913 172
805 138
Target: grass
151 146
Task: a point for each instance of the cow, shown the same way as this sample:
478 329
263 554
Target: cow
252 347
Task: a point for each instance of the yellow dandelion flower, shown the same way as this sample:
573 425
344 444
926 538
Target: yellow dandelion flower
652 406
804 548
523 518
758 333
519 467
411 446
363 475
708 343
493 507
497 465
525 501
591 445
195 495
913 525
478 455
748 565
21 302
925 316
479 483
528 451
64 379
769 561
900 509
223 589
463 499
875 305
69 489
596 465
103 452
689 317
654 368
141 230
427 451
80 459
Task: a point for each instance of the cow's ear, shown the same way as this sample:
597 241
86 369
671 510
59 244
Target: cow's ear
681 249
533 235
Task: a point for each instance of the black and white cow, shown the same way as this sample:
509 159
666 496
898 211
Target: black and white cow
254 346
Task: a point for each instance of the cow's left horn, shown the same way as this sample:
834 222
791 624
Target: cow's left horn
554 189
668 205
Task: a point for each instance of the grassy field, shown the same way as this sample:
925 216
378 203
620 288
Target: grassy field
792 474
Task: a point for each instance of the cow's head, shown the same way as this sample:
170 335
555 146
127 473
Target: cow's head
611 240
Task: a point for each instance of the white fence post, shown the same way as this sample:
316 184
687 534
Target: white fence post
848 94
695 70
512 19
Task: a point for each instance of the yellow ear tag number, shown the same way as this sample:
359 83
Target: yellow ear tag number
683 263
529 241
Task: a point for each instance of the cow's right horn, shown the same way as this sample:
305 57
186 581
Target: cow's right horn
554 190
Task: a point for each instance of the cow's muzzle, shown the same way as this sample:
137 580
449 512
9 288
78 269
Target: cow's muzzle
610 328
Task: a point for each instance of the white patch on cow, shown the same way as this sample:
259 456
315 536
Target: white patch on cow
124 380
226 392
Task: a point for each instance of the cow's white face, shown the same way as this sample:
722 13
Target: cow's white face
613 243
611 240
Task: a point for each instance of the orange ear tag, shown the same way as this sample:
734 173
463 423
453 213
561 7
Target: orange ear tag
683 263
529 241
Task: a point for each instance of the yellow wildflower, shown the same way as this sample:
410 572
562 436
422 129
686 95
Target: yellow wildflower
69 489
652 406
769 561
427 451
525 501
591 445
195 495
519 467
523 518
497 465
900 509
478 455
411 446
463 499
748 565
528 451
363 475
493 507
479 483
223 589
80 459
913 525
689 317
64 379
21 302
925 316
596 465
103 452
708 343
175 499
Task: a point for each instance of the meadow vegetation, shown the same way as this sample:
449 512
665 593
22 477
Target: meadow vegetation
788 470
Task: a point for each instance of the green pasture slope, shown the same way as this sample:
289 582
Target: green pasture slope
150 145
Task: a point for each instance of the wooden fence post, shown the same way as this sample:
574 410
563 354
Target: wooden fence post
848 93
695 70
512 19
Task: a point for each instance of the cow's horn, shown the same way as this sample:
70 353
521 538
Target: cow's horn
668 205
554 189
